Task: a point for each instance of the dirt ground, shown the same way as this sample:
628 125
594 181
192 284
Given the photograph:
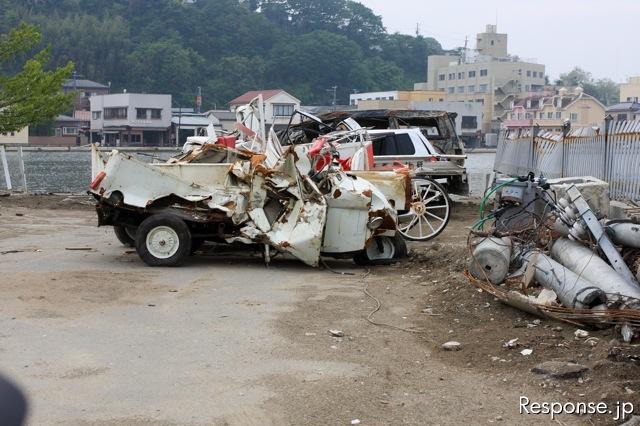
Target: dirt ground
245 344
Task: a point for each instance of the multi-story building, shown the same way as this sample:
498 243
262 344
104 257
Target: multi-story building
85 89
278 105
400 97
131 119
551 110
624 111
630 91
487 75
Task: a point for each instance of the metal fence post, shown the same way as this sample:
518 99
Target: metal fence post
5 167
23 175
608 119
566 128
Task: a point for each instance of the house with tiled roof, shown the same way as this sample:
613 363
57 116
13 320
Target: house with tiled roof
551 110
278 105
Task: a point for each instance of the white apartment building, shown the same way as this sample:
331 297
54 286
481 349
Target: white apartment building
487 75
131 119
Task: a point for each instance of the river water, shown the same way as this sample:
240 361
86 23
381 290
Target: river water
70 171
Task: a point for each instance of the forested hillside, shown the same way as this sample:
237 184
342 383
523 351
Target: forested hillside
226 46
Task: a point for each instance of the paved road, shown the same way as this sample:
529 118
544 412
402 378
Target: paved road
95 337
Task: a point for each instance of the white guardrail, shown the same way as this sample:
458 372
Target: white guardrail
612 155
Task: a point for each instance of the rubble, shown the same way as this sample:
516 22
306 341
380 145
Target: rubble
452 346
560 370
547 248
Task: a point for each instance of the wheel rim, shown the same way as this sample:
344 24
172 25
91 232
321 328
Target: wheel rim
428 213
388 249
162 242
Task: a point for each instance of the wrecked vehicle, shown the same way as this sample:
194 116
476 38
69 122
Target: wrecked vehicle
213 192
550 250
405 151
437 128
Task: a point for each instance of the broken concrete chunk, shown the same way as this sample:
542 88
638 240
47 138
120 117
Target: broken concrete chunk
526 352
336 333
581 334
511 343
452 346
560 369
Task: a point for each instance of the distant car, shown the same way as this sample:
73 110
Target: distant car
406 149
439 153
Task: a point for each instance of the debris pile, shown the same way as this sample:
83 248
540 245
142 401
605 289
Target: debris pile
548 248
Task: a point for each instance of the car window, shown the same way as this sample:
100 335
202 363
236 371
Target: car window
393 144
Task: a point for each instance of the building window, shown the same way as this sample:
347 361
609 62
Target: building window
483 73
148 113
460 75
542 115
472 89
119 113
622 117
480 101
282 110
483 88
472 74
469 122
549 115
512 116
450 89
573 116
535 73
95 115
528 73
558 115
527 88
528 116
460 89
141 113
441 77
519 116
353 101
69 131
452 76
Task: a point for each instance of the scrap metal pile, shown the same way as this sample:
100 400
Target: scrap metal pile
548 248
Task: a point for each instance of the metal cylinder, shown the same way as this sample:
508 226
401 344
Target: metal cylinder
573 290
490 259
592 267
626 234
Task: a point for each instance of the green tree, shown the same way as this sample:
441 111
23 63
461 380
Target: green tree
166 66
33 94
605 90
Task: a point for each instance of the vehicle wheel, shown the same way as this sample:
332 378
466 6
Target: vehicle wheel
126 235
163 240
382 251
428 213
400 245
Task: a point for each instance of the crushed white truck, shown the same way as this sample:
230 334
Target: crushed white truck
214 192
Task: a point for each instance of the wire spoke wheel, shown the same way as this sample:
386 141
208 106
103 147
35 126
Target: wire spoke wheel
428 212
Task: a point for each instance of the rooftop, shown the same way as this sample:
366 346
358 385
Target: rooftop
247 97
83 84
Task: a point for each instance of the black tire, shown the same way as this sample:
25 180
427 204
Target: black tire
401 246
178 247
125 235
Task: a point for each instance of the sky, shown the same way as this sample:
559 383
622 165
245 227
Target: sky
597 36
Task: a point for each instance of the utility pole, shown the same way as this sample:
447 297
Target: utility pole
417 29
334 90
198 99
464 54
